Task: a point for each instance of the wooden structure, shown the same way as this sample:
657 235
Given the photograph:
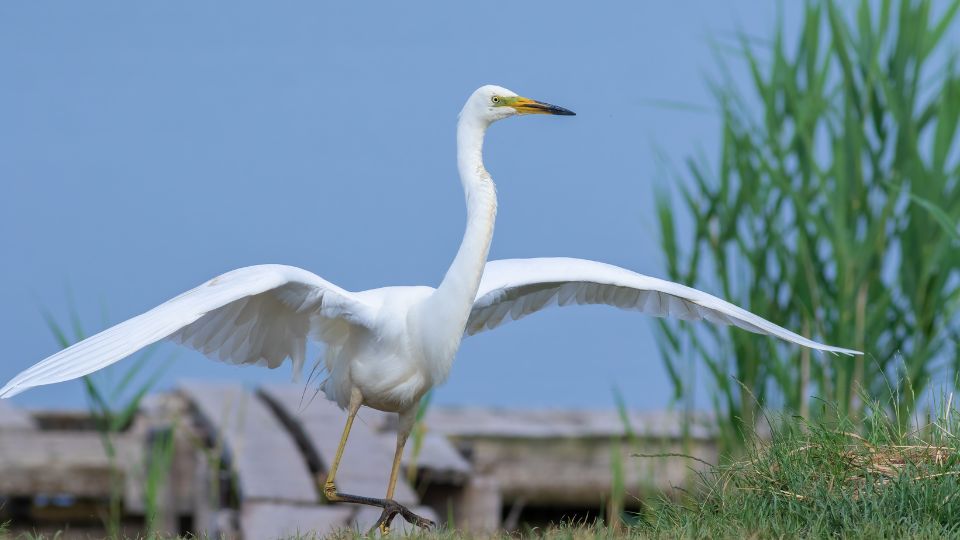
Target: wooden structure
251 464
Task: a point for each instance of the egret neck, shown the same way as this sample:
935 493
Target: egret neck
449 306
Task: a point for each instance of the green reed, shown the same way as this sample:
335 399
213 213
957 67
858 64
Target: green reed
829 212
113 402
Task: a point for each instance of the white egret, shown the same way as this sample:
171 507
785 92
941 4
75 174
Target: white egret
385 348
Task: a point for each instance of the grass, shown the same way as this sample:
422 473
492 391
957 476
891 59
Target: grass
821 480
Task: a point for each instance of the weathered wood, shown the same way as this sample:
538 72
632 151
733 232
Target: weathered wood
205 498
159 413
268 464
12 418
279 443
439 458
274 520
34 462
578 472
564 457
479 506
64 420
365 466
532 424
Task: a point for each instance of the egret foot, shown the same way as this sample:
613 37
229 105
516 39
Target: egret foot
390 510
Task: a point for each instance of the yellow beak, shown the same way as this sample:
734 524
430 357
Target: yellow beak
531 106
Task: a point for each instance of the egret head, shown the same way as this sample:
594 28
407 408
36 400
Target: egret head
491 103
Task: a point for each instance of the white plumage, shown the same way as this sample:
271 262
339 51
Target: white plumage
515 288
264 314
256 315
387 347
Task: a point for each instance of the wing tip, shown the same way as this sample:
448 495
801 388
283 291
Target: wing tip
10 390
840 350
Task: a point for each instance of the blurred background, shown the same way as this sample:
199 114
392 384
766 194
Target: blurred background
149 148
798 159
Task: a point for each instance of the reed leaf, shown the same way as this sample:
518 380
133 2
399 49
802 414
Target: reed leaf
832 208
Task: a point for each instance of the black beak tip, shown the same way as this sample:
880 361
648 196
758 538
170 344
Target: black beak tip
563 112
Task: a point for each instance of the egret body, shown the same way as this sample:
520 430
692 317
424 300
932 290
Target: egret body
385 348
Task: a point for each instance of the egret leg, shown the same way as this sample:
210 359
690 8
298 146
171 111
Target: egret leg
329 487
390 507
391 511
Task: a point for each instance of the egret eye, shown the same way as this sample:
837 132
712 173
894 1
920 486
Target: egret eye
495 99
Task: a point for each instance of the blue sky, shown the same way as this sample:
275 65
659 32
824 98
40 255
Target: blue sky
147 147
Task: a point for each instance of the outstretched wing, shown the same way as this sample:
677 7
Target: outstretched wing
514 288
255 315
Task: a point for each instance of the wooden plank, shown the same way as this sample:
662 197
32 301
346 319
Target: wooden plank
273 520
578 471
365 466
13 418
469 422
268 464
439 458
480 505
158 414
38 462
209 519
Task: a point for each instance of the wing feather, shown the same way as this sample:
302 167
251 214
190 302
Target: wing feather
254 315
519 287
